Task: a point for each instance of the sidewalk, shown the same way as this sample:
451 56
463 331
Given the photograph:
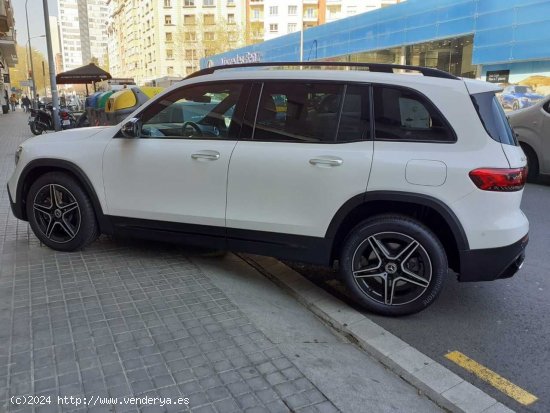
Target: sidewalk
142 319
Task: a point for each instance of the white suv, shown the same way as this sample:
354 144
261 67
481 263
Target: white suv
396 176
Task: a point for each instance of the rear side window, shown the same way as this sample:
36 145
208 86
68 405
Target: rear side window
493 118
298 112
405 115
354 122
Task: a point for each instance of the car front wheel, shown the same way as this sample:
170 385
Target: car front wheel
60 212
393 265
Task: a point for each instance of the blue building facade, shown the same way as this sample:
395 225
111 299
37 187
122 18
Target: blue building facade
497 40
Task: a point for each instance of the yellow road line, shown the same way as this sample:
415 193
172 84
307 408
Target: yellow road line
494 379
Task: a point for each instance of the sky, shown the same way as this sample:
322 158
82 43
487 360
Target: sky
36 22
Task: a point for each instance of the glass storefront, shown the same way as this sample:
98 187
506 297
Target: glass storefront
451 55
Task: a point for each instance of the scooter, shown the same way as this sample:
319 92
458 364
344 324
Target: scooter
41 120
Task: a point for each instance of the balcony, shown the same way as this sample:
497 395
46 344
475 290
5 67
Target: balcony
7 45
310 1
256 2
6 16
310 17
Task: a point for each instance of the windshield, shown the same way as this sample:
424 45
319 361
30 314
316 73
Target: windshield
493 118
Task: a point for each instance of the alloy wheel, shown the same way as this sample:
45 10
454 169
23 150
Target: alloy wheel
57 213
391 268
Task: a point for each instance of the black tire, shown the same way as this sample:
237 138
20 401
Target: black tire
515 105
68 223
426 265
35 129
82 121
532 163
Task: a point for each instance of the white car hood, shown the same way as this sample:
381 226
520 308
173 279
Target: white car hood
70 134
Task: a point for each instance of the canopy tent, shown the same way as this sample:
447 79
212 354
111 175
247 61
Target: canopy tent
83 75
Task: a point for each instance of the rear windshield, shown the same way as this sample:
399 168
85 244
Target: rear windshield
493 118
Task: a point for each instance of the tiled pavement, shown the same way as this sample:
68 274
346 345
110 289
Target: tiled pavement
128 319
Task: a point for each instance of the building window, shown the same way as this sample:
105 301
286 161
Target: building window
209 20
169 54
292 27
169 37
189 19
273 10
273 28
189 3
310 12
292 10
256 14
168 20
170 70
190 36
209 36
230 18
208 3
230 3
189 54
167 3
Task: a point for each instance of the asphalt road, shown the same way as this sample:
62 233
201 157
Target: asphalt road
504 324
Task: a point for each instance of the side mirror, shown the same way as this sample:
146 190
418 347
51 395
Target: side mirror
132 128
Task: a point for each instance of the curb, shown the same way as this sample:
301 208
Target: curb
438 383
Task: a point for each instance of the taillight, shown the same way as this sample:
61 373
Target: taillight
500 180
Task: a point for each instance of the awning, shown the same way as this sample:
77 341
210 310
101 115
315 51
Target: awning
85 74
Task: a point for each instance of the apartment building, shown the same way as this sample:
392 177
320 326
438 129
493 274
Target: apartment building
8 51
83 32
56 43
150 39
267 19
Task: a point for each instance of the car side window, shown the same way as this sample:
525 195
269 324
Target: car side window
546 107
298 112
404 115
355 122
205 111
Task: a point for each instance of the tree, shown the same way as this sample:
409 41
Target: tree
206 35
21 71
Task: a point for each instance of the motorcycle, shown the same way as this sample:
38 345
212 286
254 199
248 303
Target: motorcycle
41 120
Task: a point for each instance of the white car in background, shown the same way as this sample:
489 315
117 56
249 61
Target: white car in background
532 126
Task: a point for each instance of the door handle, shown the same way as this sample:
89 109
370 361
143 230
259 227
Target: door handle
207 155
329 161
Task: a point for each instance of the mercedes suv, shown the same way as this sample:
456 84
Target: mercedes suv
398 177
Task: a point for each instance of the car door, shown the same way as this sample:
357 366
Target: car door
176 170
305 150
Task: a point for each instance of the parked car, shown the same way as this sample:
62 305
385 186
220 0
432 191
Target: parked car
518 97
395 177
532 126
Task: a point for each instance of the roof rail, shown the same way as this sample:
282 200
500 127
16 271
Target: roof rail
373 67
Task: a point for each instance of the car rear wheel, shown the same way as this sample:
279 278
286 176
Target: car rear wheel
60 212
393 265
515 105
532 164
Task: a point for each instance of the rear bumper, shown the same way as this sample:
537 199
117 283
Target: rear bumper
492 263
